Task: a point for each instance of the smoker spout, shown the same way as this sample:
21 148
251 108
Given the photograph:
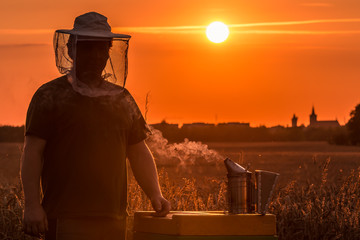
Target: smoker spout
233 168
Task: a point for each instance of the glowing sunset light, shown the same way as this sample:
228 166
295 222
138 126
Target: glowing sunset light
217 32
275 61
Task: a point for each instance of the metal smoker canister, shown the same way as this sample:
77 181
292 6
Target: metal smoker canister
265 182
239 193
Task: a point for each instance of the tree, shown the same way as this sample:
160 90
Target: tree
11 134
353 126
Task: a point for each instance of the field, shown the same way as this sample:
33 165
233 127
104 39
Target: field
293 160
317 196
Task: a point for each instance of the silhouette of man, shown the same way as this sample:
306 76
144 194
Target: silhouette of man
80 128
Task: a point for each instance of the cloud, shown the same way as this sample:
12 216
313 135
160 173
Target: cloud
23 45
159 30
317 4
237 28
300 32
201 28
303 22
25 31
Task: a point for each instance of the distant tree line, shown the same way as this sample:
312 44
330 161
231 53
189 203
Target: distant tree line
223 133
353 126
232 133
344 135
11 133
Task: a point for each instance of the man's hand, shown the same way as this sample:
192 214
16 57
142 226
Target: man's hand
35 221
161 206
144 169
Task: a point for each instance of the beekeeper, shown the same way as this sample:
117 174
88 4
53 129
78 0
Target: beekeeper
80 128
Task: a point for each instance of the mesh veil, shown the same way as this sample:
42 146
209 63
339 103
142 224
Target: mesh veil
114 74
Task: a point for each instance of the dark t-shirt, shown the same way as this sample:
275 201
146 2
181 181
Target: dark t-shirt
84 171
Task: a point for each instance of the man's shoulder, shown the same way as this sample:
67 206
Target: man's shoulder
55 84
126 93
48 91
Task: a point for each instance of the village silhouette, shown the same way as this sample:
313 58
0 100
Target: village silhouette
324 130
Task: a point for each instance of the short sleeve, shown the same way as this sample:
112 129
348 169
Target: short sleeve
139 129
39 118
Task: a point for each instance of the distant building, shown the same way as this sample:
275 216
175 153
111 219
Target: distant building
197 126
275 129
294 121
164 125
313 117
322 124
234 124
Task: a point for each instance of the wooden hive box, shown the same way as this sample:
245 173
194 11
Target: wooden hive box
204 225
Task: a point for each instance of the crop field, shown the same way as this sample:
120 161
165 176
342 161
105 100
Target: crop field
317 196
298 161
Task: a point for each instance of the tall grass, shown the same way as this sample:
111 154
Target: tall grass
11 208
318 209
186 195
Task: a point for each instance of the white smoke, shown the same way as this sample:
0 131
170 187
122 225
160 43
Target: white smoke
181 155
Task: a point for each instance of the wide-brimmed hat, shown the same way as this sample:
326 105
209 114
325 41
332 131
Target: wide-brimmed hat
92 24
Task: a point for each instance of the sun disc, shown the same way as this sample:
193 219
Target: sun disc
217 32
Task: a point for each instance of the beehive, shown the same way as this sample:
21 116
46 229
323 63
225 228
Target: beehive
204 225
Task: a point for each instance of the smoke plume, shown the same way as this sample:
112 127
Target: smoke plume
181 155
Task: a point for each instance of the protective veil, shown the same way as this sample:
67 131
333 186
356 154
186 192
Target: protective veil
93 58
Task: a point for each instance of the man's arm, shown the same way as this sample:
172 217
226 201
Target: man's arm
144 169
35 220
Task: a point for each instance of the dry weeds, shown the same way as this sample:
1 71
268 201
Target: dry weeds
319 209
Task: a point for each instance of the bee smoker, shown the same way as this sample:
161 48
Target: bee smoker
246 195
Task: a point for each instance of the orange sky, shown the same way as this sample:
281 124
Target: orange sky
262 74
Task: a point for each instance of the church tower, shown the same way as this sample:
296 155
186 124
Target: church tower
294 121
313 117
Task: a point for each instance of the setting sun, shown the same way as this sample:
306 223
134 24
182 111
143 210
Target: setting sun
217 32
